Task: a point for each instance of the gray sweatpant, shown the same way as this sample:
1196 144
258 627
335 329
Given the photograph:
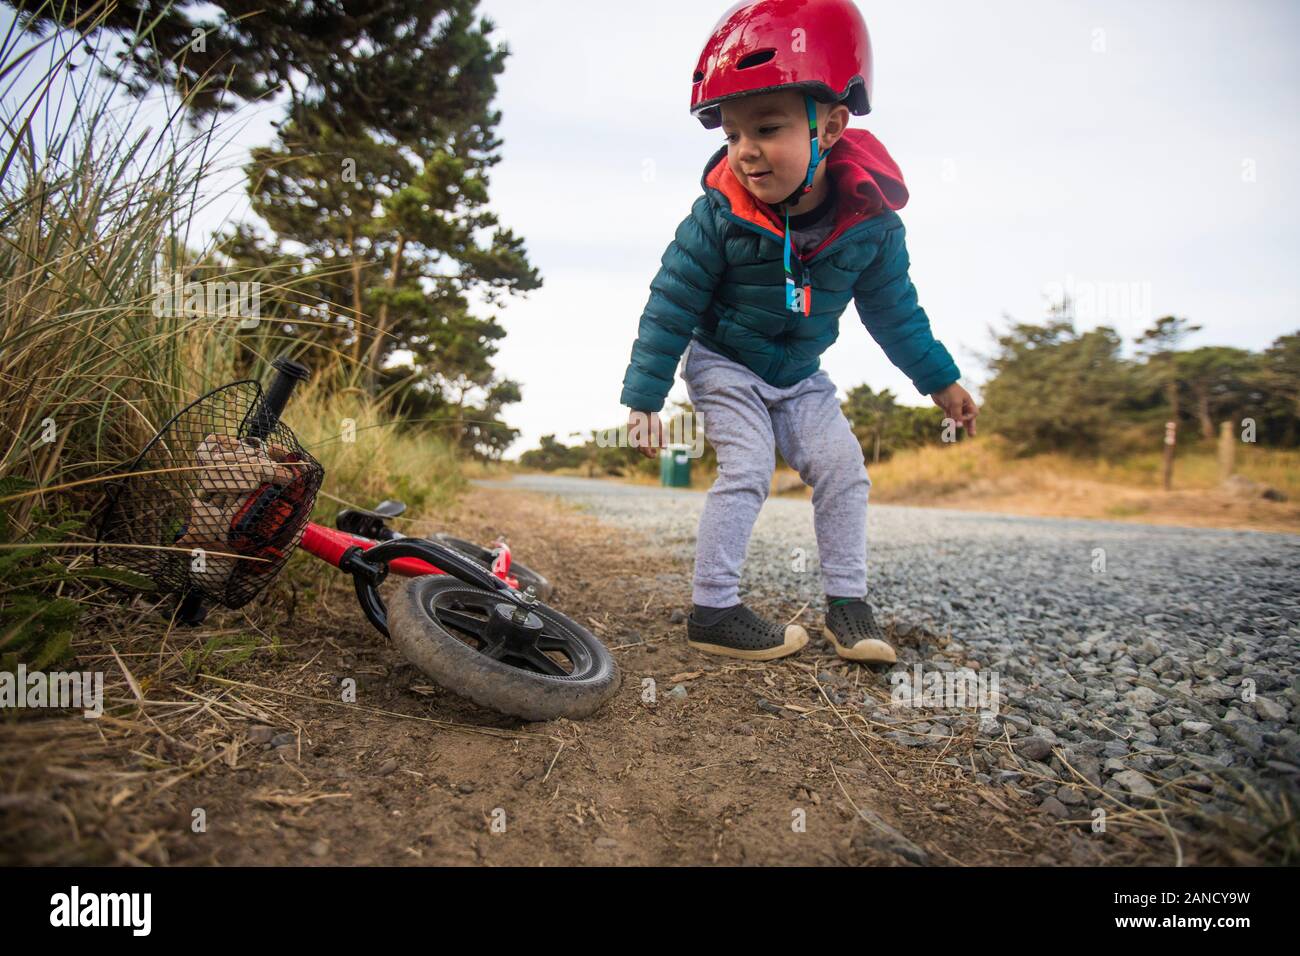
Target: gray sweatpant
743 418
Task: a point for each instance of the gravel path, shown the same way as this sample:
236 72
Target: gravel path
1126 649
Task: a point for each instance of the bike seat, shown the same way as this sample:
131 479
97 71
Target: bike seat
368 524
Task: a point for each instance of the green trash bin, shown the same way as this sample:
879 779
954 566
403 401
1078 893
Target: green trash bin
675 466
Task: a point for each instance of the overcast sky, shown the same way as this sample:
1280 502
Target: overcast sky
1136 152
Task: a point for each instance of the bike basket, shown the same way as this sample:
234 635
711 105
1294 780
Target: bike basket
208 505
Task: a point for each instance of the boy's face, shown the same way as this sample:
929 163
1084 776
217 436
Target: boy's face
767 140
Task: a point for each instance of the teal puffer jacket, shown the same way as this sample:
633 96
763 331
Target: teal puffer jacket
722 282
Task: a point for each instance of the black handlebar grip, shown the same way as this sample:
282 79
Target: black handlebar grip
266 416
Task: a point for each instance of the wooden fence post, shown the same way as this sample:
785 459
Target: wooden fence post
1227 451
1171 430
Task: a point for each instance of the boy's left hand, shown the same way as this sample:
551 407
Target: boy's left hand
958 405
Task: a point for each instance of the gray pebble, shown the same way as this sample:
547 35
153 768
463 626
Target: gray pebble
1034 748
1135 783
1055 808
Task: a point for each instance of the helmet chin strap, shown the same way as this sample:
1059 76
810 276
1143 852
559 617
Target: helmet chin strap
815 156
798 292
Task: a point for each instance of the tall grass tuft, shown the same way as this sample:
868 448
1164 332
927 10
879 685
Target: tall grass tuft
99 194
95 208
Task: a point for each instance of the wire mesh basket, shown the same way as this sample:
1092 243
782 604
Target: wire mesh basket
215 503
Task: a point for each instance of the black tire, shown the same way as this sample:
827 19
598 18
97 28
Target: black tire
429 620
522 573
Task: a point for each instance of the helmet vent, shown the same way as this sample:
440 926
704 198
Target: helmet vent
755 59
699 75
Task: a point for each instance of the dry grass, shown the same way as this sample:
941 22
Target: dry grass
934 471
368 454
978 476
489 470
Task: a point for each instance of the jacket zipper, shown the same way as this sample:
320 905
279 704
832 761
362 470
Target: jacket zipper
754 227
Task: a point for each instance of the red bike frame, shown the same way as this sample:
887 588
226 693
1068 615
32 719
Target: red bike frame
329 545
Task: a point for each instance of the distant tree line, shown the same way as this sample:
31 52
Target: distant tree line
1054 389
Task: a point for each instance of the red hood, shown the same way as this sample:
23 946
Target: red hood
863 174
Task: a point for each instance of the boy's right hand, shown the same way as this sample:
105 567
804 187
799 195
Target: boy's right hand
645 432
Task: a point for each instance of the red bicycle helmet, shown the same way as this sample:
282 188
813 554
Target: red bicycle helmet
820 47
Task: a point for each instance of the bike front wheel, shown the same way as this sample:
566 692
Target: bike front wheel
536 664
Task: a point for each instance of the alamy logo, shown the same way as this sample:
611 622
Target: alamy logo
209 299
78 690
103 909
682 434
958 689
1099 300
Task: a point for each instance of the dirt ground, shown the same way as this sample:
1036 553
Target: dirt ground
754 765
